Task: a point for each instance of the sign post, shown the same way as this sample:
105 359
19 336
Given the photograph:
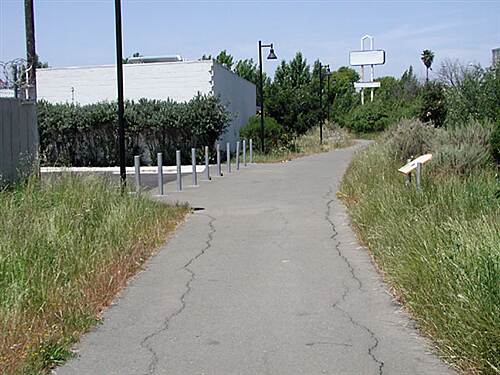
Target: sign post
365 57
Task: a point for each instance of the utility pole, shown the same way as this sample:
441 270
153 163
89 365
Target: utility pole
14 78
119 76
29 19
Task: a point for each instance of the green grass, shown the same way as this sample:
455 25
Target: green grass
66 248
368 136
306 144
439 248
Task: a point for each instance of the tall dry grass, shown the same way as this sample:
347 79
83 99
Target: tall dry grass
306 144
66 248
439 248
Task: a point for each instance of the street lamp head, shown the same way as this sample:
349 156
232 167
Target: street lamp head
272 55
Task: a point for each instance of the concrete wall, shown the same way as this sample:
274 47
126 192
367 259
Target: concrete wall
238 95
179 81
18 138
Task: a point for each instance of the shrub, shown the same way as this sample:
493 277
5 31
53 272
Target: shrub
273 132
462 149
87 135
472 92
368 118
433 107
409 138
495 143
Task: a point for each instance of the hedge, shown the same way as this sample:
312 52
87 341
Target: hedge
273 131
87 135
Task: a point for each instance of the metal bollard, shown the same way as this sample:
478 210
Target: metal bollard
137 173
251 151
179 171
244 153
159 157
238 155
207 164
419 176
193 163
219 168
228 153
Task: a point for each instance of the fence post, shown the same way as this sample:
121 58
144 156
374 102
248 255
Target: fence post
193 164
419 176
228 156
207 164
244 152
219 169
159 157
238 155
251 151
179 171
137 173
408 176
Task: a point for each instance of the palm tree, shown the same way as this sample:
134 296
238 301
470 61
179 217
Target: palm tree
427 58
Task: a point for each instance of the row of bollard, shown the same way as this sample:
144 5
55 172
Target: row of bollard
137 165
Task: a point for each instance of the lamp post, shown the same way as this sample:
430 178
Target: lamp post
329 102
321 99
119 76
271 56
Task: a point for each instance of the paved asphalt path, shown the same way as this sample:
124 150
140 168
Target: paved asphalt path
265 277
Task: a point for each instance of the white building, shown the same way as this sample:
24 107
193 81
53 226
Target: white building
160 79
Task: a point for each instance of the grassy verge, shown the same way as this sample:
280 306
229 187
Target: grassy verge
368 136
66 248
440 249
306 144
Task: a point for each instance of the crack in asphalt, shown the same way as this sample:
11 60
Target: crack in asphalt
327 343
166 323
347 290
333 237
372 336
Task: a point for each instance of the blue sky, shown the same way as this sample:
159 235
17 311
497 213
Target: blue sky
81 32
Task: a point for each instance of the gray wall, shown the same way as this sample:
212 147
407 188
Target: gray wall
18 138
238 95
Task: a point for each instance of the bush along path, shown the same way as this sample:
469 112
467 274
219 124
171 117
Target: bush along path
265 277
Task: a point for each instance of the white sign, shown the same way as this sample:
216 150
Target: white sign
367 57
413 164
366 85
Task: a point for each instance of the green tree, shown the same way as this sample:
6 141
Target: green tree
427 58
343 93
225 59
291 100
433 108
471 92
409 84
